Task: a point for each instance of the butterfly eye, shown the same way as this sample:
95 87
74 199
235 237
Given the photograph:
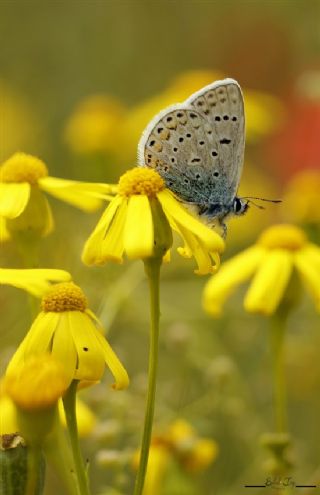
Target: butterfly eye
237 205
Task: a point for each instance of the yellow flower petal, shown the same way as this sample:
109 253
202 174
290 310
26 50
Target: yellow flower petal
36 341
194 247
138 232
112 246
13 198
4 233
35 280
270 282
79 194
231 274
8 416
39 337
312 253
91 363
112 361
310 272
173 209
95 251
63 347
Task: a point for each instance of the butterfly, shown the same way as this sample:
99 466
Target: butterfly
198 149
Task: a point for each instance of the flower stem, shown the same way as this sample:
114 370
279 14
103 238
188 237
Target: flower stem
152 269
278 327
34 458
69 403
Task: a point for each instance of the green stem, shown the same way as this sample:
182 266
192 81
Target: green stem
152 269
69 403
34 457
278 327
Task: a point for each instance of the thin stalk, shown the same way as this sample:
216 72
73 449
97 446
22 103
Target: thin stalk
278 327
69 404
152 269
34 458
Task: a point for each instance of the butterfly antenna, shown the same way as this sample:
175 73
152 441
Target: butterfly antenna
263 199
249 201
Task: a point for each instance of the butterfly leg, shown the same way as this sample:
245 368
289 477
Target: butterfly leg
224 230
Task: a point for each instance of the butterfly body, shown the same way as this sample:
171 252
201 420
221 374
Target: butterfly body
198 147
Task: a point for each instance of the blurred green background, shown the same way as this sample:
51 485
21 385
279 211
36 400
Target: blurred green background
140 56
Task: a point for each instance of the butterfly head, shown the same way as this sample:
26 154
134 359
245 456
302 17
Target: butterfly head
240 206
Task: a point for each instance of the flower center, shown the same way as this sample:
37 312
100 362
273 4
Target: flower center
65 296
140 180
283 236
21 167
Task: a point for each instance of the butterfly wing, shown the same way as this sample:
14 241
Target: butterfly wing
191 152
221 103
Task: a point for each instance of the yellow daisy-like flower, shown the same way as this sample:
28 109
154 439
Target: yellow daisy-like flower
138 222
67 329
280 250
23 178
36 281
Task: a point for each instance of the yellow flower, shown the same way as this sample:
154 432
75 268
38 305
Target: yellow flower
35 389
301 200
194 453
23 178
158 462
95 124
137 220
38 384
280 250
9 424
36 281
66 329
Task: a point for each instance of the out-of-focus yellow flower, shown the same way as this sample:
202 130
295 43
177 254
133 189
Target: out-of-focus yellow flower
4 233
138 222
35 389
264 113
280 250
23 178
158 461
36 281
194 453
301 200
20 127
38 384
86 420
8 416
179 441
66 329
95 125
